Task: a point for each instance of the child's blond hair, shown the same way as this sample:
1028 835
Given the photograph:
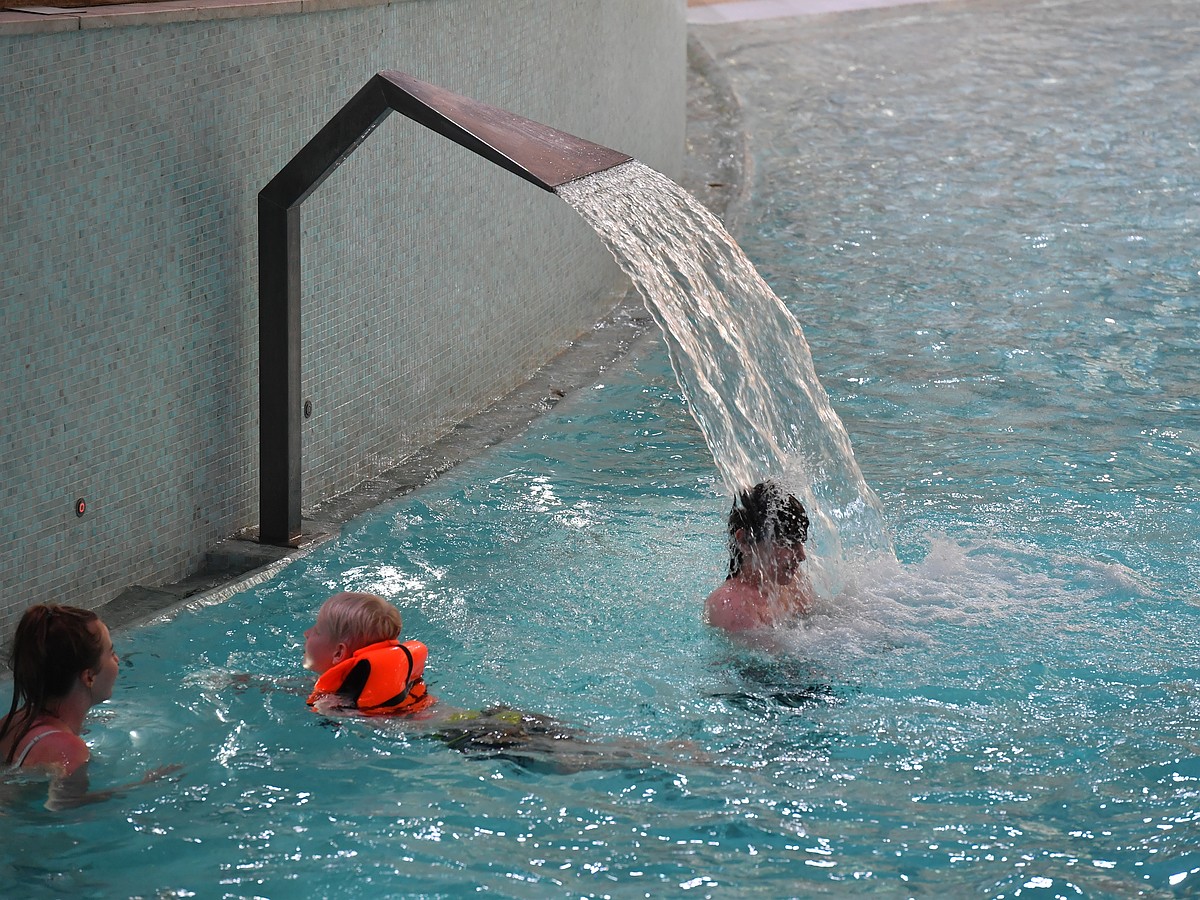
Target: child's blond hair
359 619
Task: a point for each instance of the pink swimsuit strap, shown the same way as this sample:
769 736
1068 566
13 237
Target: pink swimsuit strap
37 733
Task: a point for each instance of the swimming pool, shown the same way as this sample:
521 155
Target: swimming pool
993 254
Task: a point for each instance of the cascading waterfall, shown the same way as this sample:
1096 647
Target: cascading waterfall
740 356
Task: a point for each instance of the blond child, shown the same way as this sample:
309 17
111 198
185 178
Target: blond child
362 664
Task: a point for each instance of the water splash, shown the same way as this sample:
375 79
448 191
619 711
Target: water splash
740 356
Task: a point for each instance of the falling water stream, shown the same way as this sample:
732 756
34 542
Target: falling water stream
740 355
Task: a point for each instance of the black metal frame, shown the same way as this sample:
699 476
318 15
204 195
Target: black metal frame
539 154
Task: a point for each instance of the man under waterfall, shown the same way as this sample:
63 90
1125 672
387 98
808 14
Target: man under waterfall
765 587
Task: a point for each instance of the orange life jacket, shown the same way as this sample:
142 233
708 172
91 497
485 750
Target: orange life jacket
379 680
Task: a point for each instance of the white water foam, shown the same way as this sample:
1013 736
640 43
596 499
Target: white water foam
956 589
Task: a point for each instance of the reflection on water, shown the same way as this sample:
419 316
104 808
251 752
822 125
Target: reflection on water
770 684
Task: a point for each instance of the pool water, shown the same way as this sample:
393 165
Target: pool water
991 245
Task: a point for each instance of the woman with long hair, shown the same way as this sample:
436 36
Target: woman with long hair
63 663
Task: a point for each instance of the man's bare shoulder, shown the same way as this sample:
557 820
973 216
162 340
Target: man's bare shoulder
733 606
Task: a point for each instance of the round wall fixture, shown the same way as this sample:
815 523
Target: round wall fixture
308 409
80 507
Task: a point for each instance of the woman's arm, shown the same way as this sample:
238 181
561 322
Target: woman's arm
66 756
70 791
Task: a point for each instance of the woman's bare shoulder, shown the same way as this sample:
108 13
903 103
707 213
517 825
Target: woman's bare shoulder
61 751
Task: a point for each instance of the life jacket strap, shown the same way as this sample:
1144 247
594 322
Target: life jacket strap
409 683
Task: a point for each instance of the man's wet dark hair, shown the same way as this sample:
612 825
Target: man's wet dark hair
767 513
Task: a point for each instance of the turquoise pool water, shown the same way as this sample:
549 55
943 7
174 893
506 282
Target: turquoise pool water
992 248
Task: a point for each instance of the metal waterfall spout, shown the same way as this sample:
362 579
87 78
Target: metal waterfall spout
538 153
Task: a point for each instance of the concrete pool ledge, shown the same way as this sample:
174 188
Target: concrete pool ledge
718 12
716 169
34 19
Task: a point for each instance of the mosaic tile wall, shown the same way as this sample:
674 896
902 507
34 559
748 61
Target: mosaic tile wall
433 281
